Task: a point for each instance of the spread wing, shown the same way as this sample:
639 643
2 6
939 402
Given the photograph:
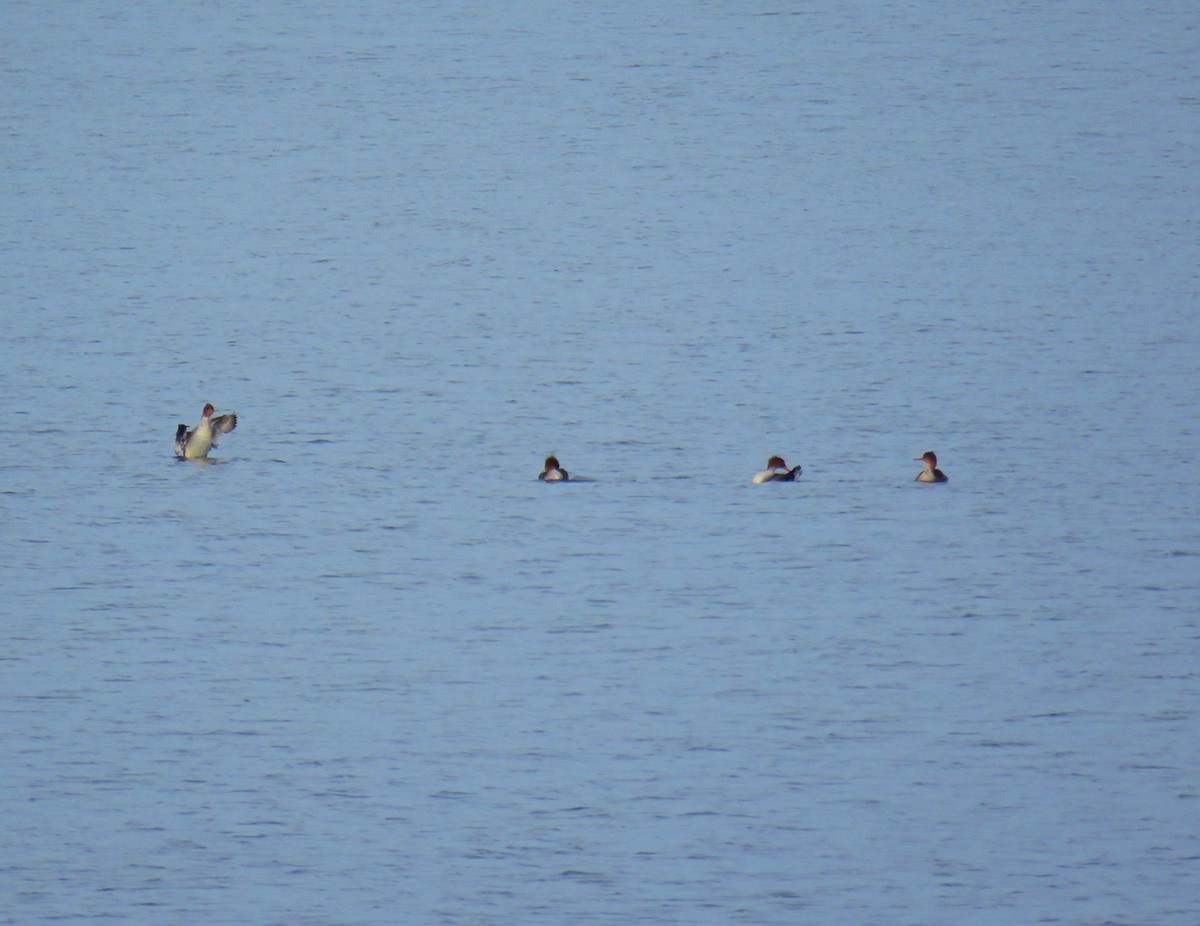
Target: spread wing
181 434
222 424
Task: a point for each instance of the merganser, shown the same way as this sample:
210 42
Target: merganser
777 471
553 472
930 473
195 444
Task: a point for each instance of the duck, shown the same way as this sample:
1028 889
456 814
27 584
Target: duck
777 471
553 472
195 444
930 473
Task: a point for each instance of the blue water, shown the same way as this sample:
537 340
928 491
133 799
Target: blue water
364 668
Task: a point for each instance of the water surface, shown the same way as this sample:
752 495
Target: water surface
366 669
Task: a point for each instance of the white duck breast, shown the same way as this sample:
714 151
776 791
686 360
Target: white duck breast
553 472
777 471
930 473
196 443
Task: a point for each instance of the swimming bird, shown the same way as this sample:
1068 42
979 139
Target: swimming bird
195 444
930 473
553 472
777 471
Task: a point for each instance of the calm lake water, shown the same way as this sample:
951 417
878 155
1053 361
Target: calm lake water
364 668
